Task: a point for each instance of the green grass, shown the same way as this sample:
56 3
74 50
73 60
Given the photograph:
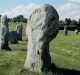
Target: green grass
64 50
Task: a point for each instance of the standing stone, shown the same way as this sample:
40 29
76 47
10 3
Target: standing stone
42 27
13 37
19 30
4 30
66 30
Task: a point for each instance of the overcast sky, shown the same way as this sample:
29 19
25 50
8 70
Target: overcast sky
65 8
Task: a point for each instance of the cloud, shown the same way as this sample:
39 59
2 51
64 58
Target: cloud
75 1
24 10
75 14
65 8
69 10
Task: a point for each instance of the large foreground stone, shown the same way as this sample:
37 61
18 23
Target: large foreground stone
42 27
4 30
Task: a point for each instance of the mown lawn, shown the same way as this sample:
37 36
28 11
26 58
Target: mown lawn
64 50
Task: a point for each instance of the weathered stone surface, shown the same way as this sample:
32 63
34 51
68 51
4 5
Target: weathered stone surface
13 37
19 30
4 30
42 27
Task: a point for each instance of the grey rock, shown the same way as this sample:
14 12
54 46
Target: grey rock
13 37
4 30
42 27
19 30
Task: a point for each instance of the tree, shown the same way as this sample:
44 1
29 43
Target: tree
78 25
61 25
67 21
20 18
73 22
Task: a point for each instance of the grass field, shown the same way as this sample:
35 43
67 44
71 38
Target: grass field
64 50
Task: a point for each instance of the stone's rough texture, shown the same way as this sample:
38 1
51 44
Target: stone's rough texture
4 30
42 27
19 30
13 37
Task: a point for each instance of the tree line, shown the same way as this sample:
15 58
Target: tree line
67 22
19 18
74 24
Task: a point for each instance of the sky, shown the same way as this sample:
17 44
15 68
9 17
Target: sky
65 8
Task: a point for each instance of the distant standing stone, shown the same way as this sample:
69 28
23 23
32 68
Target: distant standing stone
66 30
4 30
42 27
13 37
19 30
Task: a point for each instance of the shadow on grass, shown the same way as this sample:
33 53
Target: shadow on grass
59 71
53 71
